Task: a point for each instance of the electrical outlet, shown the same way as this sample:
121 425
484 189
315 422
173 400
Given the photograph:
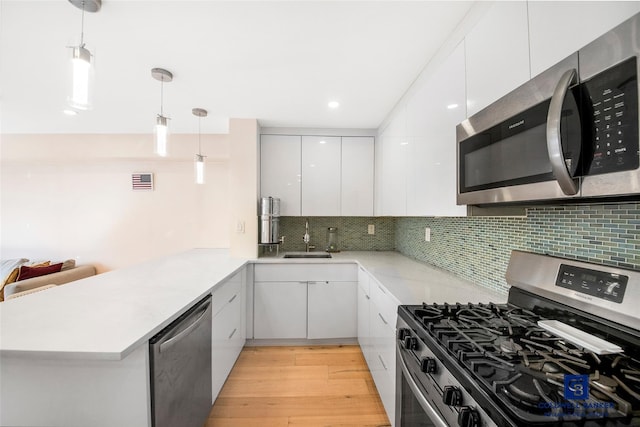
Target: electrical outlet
240 227
427 234
371 229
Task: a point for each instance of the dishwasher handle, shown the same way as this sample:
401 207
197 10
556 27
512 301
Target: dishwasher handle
170 339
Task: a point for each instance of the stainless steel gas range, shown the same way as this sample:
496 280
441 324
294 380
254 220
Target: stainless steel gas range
563 351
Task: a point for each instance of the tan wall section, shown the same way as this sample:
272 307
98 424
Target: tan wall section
70 196
243 178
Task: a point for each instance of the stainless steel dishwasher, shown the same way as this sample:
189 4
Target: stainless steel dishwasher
180 360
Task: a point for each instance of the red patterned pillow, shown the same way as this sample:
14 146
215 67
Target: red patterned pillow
27 272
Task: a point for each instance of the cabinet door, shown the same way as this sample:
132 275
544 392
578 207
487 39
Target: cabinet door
393 171
364 325
432 115
227 327
280 174
382 365
332 310
280 310
357 176
497 54
320 176
558 29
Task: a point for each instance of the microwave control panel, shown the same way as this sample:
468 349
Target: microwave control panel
607 286
612 98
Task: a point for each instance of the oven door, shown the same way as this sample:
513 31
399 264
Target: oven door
413 409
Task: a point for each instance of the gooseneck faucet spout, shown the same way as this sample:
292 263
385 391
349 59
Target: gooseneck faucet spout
306 238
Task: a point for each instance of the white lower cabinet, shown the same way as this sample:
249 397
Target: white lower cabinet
377 337
331 311
312 301
228 328
280 310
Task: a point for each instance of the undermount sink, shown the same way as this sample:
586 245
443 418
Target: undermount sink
307 255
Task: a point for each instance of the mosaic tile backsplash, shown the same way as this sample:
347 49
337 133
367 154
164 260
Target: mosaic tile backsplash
478 248
352 233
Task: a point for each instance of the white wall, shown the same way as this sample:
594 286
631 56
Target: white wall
70 196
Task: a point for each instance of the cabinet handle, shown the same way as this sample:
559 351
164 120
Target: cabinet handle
232 333
367 296
382 361
233 297
385 322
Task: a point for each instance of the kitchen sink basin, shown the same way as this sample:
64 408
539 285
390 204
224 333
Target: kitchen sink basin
307 255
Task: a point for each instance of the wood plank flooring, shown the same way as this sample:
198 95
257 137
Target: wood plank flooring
314 386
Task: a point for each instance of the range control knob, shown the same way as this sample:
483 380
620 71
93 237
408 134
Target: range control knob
468 417
428 365
403 333
411 343
452 396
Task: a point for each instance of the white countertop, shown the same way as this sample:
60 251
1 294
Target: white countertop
108 315
413 282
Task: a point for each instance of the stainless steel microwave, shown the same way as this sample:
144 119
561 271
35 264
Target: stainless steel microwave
569 133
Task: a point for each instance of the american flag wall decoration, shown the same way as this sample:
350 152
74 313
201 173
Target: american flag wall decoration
142 181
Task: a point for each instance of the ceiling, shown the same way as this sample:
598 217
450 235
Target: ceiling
278 61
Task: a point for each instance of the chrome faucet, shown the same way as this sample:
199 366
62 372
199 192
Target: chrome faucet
306 238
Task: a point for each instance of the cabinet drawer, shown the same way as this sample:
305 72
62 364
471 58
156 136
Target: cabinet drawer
305 272
384 303
226 292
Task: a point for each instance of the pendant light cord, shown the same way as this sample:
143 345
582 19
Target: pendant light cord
199 134
161 96
82 27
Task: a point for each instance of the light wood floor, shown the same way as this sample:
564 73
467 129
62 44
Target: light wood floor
316 386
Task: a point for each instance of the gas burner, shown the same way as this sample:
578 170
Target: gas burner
510 346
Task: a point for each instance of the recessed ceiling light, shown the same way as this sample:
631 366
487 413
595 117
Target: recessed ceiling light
452 106
323 142
334 104
70 112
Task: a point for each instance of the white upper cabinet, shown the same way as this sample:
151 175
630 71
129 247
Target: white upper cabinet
280 174
558 29
393 167
432 115
357 176
497 54
321 175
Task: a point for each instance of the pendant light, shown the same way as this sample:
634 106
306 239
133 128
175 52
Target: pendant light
199 164
161 130
81 91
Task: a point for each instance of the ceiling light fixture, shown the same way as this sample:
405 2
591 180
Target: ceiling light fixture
161 130
199 165
81 90
333 104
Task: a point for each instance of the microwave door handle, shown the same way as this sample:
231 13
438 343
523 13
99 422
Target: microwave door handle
568 185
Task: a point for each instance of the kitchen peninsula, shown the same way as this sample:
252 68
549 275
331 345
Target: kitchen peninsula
77 355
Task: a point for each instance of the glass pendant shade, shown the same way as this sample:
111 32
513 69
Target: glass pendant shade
161 135
199 166
81 91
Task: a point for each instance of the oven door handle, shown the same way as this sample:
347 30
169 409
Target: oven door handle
434 416
568 185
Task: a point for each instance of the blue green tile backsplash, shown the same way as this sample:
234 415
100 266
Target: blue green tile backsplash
478 248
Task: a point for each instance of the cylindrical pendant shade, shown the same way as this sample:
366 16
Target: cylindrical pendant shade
162 136
199 168
81 90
